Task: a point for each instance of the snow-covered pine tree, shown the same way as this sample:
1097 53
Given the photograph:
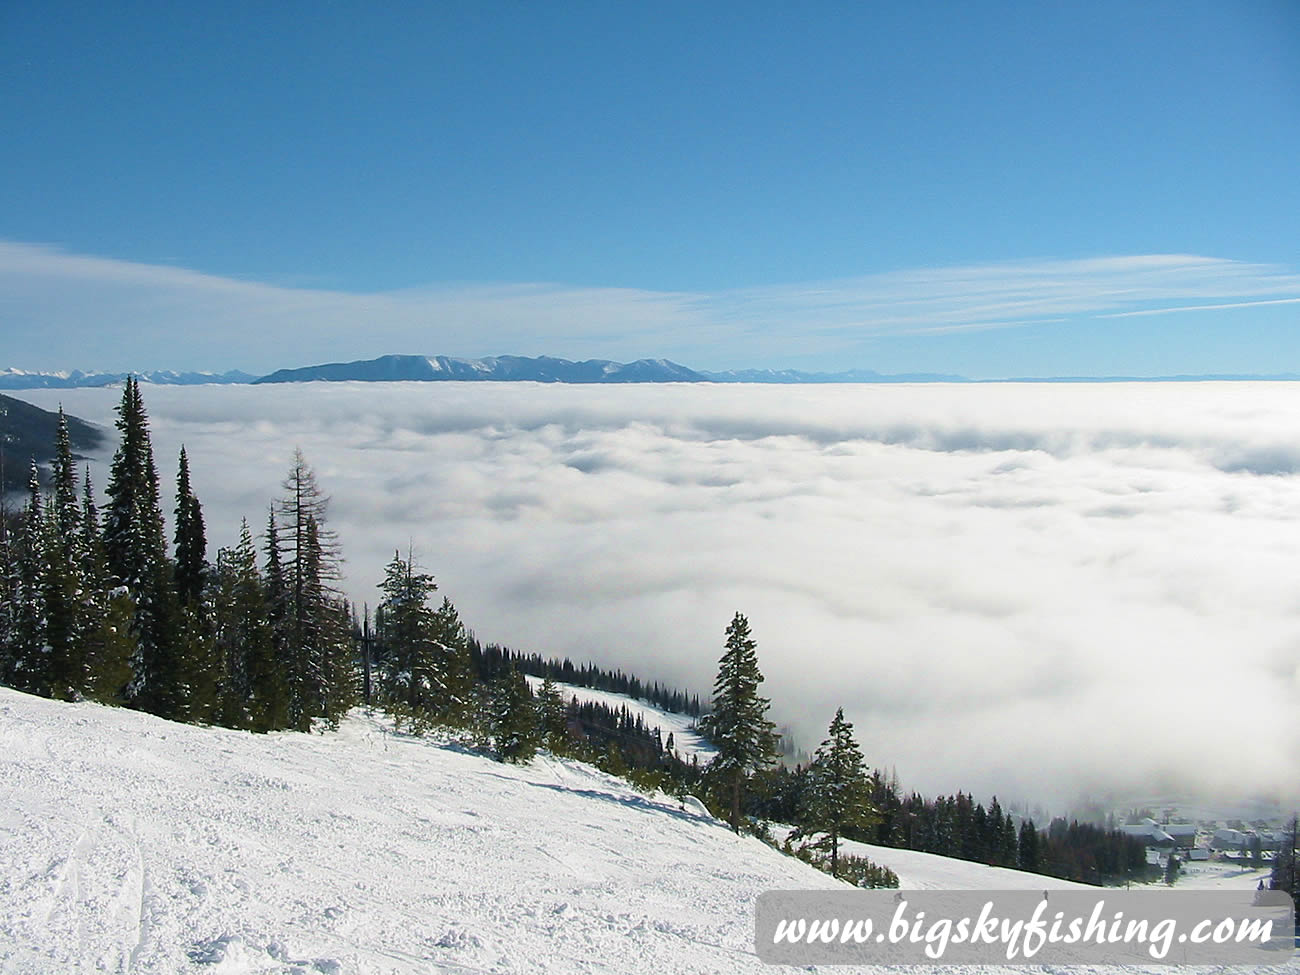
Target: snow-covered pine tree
8 592
227 645
27 668
61 577
738 725
201 668
251 695
837 796
411 651
135 546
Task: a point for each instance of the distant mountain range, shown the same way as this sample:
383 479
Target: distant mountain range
504 368
76 379
546 369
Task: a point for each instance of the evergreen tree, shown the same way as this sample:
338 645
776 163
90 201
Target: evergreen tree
27 666
452 666
191 543
1009 850
201 667
612 761
109 643
135 548
316 648
67 506
278 623
837 796
553 717
1028 846
738 724
62 586
9 594
409 636
1172 868
511 717
201 661
251 695
134 542
308 691
61 594
329 634
365 637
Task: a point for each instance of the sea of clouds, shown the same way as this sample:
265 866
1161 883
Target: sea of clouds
1022 589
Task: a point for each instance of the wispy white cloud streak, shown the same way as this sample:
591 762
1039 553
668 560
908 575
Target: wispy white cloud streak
1216 307
63 310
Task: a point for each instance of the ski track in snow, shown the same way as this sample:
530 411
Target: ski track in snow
132 845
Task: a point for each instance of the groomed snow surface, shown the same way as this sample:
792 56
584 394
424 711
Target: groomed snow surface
131 844
128 843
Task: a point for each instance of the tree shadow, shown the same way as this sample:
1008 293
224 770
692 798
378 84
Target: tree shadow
639 803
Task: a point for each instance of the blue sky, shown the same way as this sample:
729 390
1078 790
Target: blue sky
991 189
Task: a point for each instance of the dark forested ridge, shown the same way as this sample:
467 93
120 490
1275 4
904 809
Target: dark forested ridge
27 432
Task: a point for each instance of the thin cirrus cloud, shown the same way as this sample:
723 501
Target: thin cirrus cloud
114 314
1021 589
1222 305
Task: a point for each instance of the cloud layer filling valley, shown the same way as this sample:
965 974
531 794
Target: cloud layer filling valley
1027 589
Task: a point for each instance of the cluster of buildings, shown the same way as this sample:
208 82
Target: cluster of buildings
1196 843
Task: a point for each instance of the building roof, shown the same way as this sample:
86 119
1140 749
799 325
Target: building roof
1149 832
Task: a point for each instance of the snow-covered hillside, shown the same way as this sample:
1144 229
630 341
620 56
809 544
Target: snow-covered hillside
925 871
130 844
686 741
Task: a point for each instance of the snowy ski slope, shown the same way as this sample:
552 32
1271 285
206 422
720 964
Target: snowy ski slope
130 844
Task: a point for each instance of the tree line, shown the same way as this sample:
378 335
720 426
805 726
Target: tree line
98 605
565 671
